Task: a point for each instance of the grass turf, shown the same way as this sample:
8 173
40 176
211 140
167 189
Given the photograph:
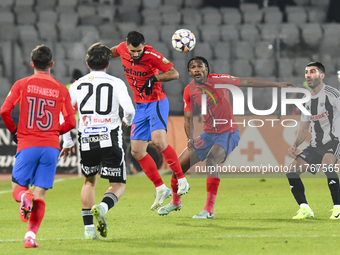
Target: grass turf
252 216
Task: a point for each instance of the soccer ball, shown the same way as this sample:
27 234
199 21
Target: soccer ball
183 40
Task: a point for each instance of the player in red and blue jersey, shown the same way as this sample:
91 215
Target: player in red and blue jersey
142 64
41 99
217 141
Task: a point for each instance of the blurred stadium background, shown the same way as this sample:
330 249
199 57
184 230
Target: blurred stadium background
255 38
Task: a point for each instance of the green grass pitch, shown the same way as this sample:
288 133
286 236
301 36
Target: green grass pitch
252 216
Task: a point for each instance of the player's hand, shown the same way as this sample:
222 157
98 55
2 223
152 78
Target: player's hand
14 136
148 85
67 151
291 151
125 125
285 85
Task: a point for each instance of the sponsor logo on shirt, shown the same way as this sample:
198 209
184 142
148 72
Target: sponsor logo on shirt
165 61
95 130
319 116
95 139
134 72
110 171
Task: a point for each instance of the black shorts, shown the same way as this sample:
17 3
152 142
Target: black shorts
314 155
109 160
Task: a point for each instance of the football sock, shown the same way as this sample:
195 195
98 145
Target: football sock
150 169
161 188
17 193
171 158
212 187
333 183
176 199
109 200
297 187
37 215
87 217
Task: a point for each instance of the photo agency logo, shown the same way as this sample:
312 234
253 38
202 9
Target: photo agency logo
239 109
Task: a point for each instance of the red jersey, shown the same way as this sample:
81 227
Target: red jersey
218 103
137 72
41 98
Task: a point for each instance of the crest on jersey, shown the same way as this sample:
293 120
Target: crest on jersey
87 120
165 60
91 78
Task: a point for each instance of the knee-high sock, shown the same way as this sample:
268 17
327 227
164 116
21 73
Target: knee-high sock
150 169
297 188
171 158
176 199
17 193
37 215
212 187
333 184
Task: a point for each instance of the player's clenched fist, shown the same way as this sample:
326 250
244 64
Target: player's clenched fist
148 85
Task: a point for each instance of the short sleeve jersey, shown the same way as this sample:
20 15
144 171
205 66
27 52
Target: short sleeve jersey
137 72
41 98
218 102
98 96
325 115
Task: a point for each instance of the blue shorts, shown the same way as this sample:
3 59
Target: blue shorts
36 166
148 118
206 141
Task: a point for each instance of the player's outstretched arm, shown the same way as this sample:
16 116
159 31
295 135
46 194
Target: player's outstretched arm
114 54
169 75
300 138
255 82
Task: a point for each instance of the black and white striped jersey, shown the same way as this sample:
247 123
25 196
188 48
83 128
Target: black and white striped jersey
325 115
98 96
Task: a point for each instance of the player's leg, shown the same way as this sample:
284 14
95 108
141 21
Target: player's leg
140 137
296 167
330 169
220 146
43 180
159 114
138 151
216 156
187 159
22 175
113 169
90 166
158 137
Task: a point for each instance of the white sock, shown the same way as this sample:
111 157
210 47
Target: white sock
336 206
161 188
305 205
105 206
30 234
89 226
182 179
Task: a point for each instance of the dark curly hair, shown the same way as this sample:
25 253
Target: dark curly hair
41 57
98 56
199 58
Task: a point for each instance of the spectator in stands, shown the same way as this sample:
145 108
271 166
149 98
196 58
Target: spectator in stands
334 11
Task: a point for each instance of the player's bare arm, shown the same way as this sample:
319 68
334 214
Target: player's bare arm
114 54
189 128
301 136
169 75
255 82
